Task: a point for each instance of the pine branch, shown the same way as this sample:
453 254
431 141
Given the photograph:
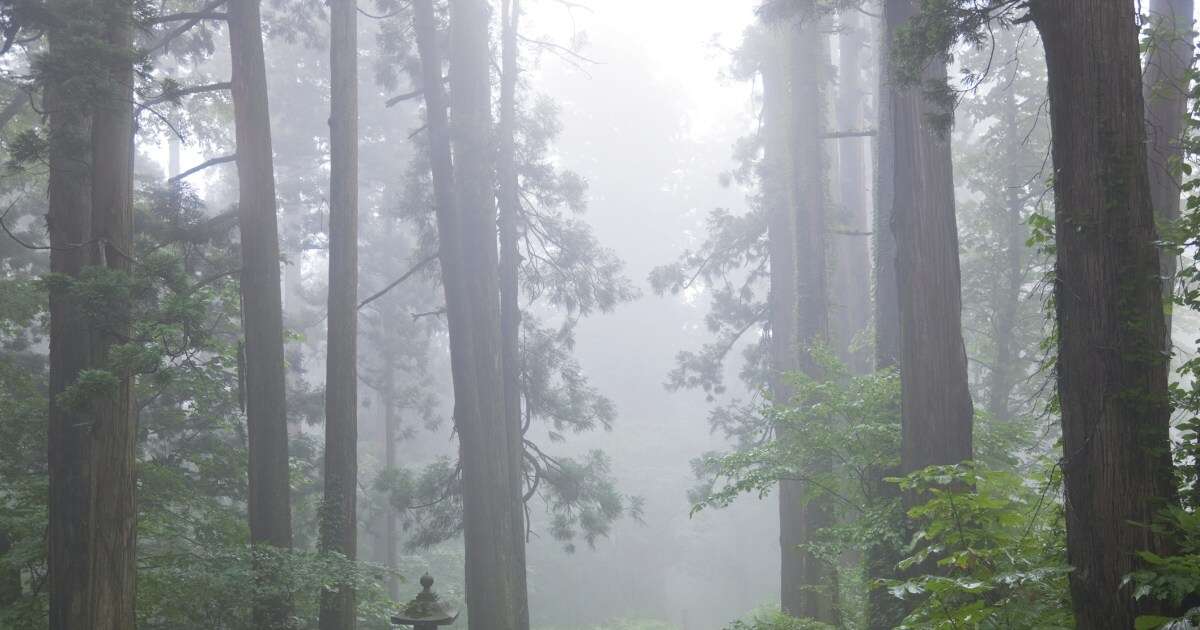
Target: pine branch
185 91
188 15
170 35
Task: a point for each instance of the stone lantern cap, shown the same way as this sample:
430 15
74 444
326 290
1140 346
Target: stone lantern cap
426 610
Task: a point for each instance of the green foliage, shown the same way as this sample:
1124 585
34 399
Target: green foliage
988 550
622 623
181 302
216 588
1006 224
996 523
777 620
564 273
853 420
24 491
90 387
1173 580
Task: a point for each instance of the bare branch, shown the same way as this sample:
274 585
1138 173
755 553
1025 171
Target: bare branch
558 48
14 107
439 312
407 96
408 274
200 167
857 133
14 237
384 16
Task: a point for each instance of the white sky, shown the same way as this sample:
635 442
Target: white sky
681 40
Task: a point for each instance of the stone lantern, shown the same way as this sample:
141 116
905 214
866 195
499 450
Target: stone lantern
426 611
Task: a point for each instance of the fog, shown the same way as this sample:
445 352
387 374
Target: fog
602 314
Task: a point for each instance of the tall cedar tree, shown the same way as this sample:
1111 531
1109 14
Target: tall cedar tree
782 302
391 427
510 260
339 524
1112 364
262 314
850 294
494 516
808 57
936 407
1165 91
886 312
798 305
1002 377
466 218
92 442
883 612
882 609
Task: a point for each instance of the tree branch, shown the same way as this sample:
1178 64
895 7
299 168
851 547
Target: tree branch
399 98
14 107
200 167
185 91
440 311
188 15
408 96
558 48
14 237
408 274
183 28
856 133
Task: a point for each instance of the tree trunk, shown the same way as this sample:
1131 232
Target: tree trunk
1165 92
794 199
466 216
1007 297
851 291
390 423
510 259
887 301
92 447
936 409
10 577
884 611
339 524
262 314
783 303
1112 364
808 57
